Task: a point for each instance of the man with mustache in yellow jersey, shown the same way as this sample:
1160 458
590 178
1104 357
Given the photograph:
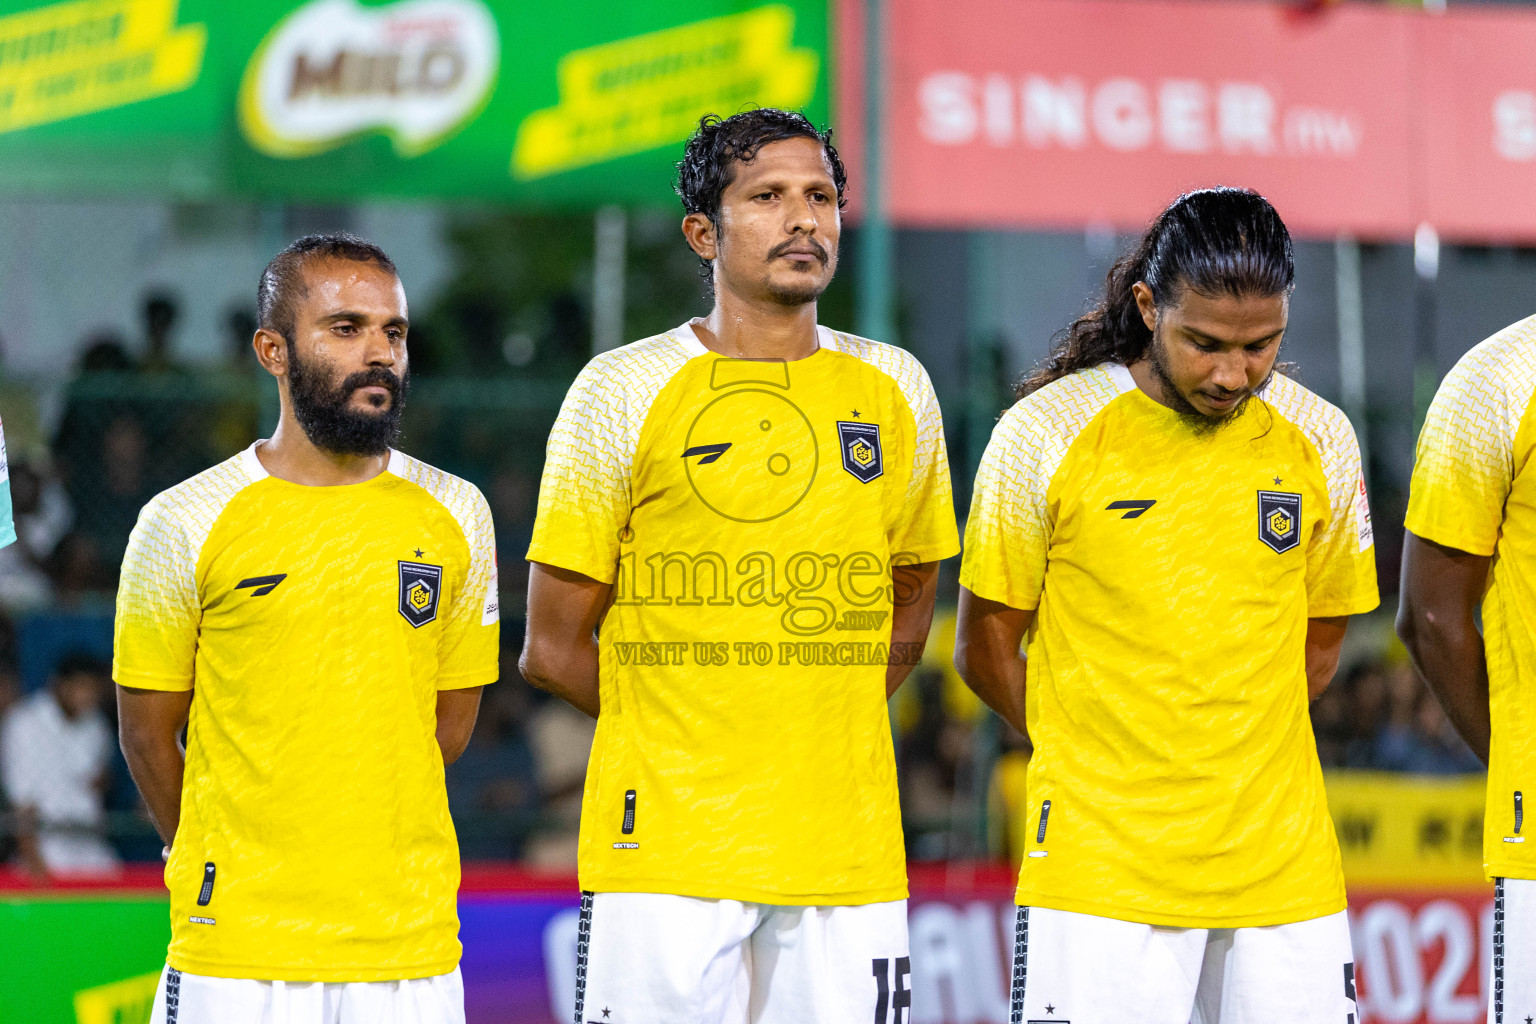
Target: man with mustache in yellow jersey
749 511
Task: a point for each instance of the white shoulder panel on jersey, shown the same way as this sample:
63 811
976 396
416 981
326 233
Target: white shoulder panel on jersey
1041 426
472 512
599 425
910 376
1486 394
174 525
1331 433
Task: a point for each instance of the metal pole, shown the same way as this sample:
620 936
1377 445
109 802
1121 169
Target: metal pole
876 242
608 279
1426 269
1349 305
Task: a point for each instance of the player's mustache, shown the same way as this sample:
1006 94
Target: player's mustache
799 243
374 377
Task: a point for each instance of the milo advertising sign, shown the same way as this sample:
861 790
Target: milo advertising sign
577 104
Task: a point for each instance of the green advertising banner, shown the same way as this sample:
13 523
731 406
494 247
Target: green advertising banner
561 104
82 960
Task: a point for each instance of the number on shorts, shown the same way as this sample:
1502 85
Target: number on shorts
886 999
1349 990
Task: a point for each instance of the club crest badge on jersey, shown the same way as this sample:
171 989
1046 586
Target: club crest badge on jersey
860 444
420 585
1280 519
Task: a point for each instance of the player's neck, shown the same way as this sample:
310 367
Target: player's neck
290 455
744 329
1146 379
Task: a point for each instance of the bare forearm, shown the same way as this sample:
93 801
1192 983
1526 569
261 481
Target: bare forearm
157 767
569 673
914 588
456 714
988 635
1441 591
1451 658
999 683
1325 639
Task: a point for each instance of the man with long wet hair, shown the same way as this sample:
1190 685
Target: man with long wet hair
749 511
319 612
1179 532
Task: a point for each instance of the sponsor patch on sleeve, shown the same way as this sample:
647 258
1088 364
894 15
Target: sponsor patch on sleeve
492 601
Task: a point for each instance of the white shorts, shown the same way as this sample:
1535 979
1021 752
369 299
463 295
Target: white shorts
199 999
1083 969
646 958
1514 951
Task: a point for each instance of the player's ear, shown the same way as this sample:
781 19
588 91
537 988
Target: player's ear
702 237
1145 304
271 351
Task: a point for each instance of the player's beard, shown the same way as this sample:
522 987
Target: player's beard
802 291
1199 422
326 414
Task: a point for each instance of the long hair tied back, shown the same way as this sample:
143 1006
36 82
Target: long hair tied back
1215 240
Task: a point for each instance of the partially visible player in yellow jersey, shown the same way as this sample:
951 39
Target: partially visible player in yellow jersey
1178 531
749 510
1471 550
320 613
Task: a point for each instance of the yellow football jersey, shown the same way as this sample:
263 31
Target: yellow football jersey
1175 779
1474 490
748 513
315 626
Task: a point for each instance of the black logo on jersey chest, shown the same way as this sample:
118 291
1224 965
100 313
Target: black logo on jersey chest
1280 519
264 584
420 585
860 445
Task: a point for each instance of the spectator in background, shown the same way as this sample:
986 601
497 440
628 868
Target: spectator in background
240 357
110 498
561 738
1416 736
160 315
55 751
493 787
43 516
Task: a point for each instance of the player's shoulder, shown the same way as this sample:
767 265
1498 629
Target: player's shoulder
894 361
641 365
195 503
1322 422
1503 364
1061 409
461 498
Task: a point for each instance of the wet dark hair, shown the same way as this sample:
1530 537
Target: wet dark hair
708 165
282 282
1216 240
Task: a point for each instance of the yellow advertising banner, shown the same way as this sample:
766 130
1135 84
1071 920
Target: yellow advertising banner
635 94
1408 831
74 58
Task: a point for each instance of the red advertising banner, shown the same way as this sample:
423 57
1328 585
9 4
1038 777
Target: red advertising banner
1040 113
1478 110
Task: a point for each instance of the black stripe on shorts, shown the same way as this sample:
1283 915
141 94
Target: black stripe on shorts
583 944
1020 966
172 995
1498 951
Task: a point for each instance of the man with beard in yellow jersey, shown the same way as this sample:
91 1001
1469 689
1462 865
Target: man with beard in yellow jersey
1179 531
749 510
1470 550
320 613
